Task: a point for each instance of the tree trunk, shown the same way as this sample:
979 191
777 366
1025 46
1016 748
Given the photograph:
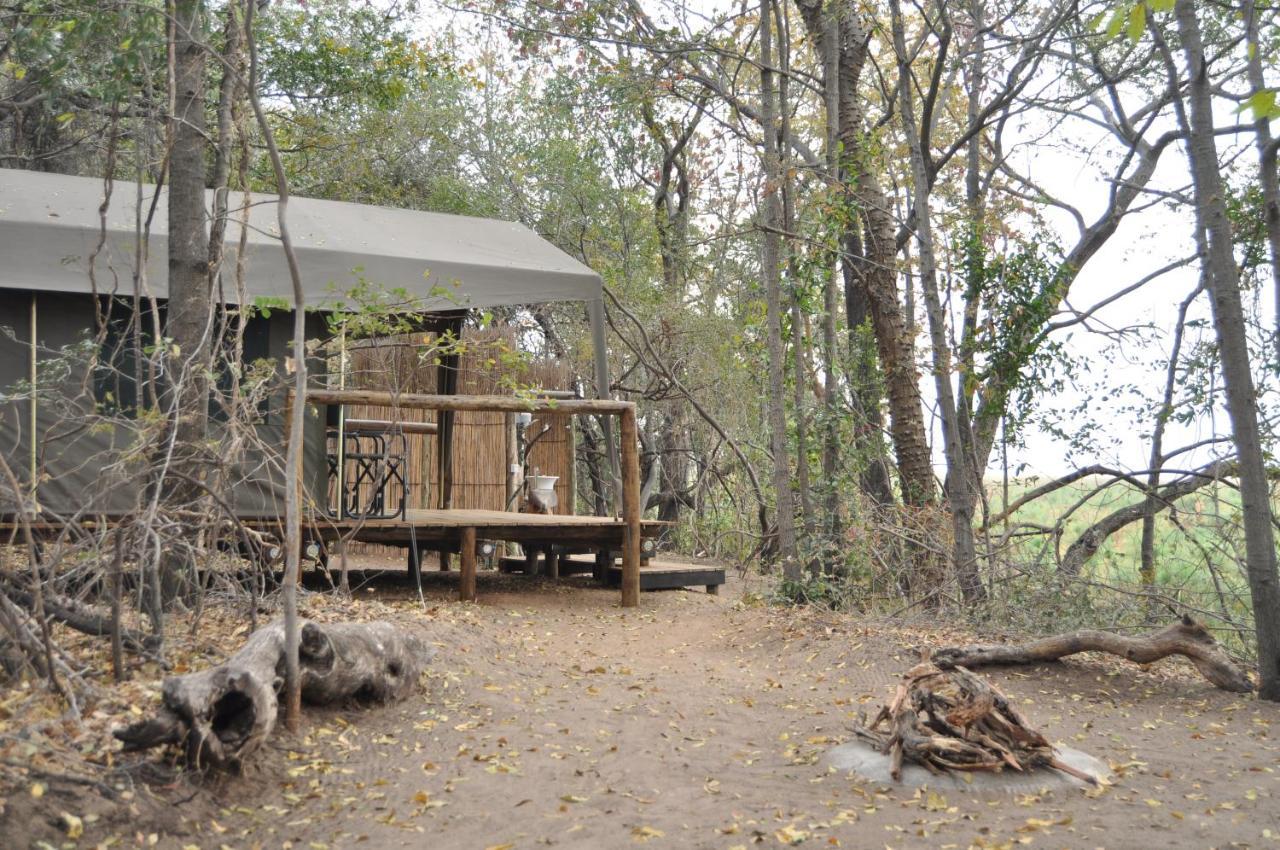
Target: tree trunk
1147 569
771 215
830 55
189 292
230 96
1229 326
190 304
1186 637
222 715
799 343
799 380
960 491
975 266
1268 174
877 271
842 46
593 457
293 467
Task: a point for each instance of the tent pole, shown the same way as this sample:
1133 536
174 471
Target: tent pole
600 345
447 384
342 424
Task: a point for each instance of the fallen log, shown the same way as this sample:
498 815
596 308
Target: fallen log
78 616
1187 638
952 720
221 715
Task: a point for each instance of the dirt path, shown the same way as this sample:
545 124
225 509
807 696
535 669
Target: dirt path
552 718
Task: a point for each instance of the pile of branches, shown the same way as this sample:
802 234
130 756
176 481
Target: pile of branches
950 719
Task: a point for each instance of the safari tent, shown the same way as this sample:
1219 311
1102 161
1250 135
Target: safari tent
65 258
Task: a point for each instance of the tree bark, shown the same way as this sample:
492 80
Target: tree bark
220 716
1266 144
799 342
190 304
293 467
1229 326
771 215
870 273
1147 569
877 271
672 194
960 488
1187 638
230 97
830 56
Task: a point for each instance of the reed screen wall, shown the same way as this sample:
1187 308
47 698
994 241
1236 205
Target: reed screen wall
487 365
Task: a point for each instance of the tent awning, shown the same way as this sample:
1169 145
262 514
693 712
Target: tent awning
50 225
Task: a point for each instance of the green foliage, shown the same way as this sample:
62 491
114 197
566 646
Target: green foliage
820 590
264 304
78 51
1129 18
1262 104
70 68
1247 211
335 56
1020 289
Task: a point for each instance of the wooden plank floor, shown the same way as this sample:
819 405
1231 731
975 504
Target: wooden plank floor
463 517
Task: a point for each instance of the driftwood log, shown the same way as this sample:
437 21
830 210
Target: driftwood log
1187 638
950 719
221 715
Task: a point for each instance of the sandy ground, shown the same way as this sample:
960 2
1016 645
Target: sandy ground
553 718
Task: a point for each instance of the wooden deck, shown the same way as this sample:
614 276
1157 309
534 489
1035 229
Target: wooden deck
655 574
459 530
445 526
448 531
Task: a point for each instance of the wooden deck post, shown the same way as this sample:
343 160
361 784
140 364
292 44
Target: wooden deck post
630 509
553 563
467 587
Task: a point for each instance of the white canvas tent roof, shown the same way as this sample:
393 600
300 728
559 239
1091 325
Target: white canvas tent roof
49 226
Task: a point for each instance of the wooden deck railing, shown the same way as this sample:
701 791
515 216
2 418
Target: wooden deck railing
624 410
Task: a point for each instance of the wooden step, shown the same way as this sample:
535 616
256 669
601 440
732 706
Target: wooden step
668 575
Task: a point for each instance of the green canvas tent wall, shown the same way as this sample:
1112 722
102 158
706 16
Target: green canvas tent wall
57 257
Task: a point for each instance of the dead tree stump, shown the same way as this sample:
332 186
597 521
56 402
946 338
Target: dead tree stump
221 715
